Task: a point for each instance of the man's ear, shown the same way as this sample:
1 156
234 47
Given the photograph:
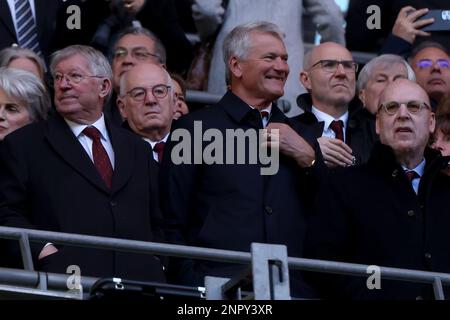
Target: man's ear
235 67
121 106
305 80
432 122
362 96
105 88
377 124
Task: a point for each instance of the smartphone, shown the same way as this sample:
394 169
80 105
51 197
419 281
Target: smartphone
441 20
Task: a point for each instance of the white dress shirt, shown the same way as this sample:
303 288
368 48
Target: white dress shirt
13 12
86 142
265 121
153 143
327 119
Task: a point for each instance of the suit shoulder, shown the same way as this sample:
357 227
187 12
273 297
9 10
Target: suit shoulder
27 134
213 113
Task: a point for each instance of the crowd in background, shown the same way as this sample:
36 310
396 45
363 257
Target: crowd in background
87 116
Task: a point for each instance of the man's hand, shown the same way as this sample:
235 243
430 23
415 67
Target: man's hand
291 144
408 27
335 152
46 251
133 6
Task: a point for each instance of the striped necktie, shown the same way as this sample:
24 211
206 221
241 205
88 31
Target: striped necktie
26 26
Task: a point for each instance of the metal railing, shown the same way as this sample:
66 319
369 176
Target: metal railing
268 286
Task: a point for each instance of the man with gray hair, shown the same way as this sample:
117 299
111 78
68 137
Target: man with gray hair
147 102
229 205
77 173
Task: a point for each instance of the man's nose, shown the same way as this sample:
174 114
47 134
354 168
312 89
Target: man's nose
403 111
340 70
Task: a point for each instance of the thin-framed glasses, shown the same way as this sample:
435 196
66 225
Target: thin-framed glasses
428 63
139 94
392 107
140 54
332 65
73 77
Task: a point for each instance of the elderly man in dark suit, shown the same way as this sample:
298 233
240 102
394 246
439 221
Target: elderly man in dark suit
227 204
78 173
392 211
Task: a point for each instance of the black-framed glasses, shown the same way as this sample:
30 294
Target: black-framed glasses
332 65
139 94
140 54
413 106
428 63
72 77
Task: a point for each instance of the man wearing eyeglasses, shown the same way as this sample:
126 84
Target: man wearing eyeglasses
147 102
391 211
431 64
77 173
329 76
134 46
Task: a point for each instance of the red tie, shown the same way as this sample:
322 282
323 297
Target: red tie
101 159
159 149
337 126
411 175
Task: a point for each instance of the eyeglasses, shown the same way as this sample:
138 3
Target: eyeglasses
73 77
392 107
332 65
139 94
428 63
137 53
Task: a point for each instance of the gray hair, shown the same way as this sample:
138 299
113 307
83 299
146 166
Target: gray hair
26 87
7 55
123 79
237 42
384 62
97 62
160 50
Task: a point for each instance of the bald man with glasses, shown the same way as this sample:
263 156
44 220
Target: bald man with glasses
391 211
329 76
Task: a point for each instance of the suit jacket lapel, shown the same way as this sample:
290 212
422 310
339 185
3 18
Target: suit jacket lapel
69 148
124 157
6 19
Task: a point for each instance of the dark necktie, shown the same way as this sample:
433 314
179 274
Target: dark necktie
101 158
337 126
264 118
411 175
26 26
159 149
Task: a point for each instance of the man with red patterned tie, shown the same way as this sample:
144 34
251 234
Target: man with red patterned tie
78 173
329 75
391 211
147 102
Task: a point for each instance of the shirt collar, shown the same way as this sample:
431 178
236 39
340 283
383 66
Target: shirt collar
327 119
419 169
77 128
153 143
